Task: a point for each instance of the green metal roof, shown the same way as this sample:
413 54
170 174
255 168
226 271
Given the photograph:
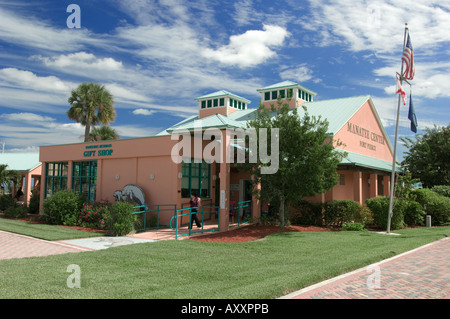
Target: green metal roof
222 93
216 120
336 111
285 84
20 161
355 159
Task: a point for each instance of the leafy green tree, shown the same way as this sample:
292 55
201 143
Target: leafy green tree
428 156
103 133
307 158
91 104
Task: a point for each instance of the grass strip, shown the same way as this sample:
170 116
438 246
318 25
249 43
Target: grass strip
268 268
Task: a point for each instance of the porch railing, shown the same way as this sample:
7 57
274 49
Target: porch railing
243 211
176 221
153 212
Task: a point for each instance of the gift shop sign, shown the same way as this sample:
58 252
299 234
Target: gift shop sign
98 150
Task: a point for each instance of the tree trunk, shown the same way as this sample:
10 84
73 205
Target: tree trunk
87 129
281 213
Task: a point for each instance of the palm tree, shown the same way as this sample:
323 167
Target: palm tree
8 176
91 104
103 133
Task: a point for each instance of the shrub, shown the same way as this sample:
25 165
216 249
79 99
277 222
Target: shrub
63 208
338 212
307 213
120 219
93 215
33 208
438 206
414 214
6 201
380 209
443 190
353 226
15 211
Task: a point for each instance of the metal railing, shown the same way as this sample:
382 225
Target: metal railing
202 210
243 211
153 211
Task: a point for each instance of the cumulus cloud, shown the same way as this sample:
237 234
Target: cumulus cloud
299 73
250 48
13 77
145 112
81 60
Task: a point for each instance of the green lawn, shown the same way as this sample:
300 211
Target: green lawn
43 231
184 269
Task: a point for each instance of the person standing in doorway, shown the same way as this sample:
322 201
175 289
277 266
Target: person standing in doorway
194 204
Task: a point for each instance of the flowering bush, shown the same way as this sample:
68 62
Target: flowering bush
94 215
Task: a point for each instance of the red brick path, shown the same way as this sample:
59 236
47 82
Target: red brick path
423 273
19 246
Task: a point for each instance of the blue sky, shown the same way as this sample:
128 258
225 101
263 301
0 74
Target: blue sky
156 57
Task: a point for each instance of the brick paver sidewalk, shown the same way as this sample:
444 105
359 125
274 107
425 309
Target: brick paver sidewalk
19 246
423 273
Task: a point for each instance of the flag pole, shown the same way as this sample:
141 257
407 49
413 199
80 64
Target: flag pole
391 196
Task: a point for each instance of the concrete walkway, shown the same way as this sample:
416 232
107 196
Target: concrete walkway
422 273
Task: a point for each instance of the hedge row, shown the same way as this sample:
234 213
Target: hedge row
70 209
412 212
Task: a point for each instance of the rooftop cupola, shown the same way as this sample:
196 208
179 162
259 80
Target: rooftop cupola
220 102
290 92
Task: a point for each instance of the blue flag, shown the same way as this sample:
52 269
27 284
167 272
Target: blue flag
412 115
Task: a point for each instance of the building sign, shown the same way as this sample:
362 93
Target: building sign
365 133
98 150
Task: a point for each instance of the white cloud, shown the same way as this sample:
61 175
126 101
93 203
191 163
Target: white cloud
145 112
27 117
33 32
13 77
81 60
299 73
250 48
25 130
378 25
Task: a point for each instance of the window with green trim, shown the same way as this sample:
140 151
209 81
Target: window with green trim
222 102
282 94
290 93
196 179
216 102
55 177
84 178
274 95
267 96
209 103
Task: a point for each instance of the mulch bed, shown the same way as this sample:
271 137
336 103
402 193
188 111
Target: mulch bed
254 232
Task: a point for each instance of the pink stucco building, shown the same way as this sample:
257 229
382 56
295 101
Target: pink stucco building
98 169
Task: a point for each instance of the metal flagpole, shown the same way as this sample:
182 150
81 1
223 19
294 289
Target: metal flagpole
391 198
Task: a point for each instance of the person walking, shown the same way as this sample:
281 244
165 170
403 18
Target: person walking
194 204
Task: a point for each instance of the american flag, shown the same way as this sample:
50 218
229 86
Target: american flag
408 58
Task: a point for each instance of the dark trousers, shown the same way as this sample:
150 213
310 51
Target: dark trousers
194 218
